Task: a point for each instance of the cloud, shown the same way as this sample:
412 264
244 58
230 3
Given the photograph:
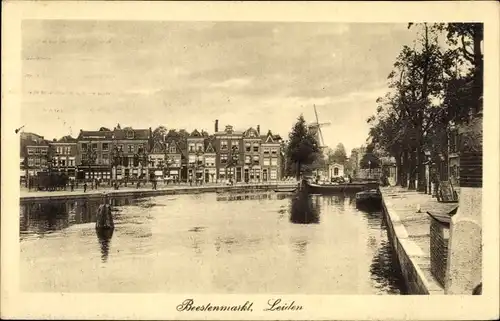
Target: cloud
186 74
233 83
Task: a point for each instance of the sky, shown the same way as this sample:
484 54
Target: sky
89 74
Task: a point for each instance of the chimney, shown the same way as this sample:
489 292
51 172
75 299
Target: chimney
216 125
258 129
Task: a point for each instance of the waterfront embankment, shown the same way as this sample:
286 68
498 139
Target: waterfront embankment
40 196
409 233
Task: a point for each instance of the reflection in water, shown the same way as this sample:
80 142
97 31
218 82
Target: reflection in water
104 237
244 244
304 209
300 247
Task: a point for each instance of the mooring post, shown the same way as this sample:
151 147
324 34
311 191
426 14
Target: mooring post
104 216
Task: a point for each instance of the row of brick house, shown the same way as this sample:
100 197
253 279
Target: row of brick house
241 156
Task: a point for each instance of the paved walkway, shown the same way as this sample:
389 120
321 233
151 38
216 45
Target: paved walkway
405 204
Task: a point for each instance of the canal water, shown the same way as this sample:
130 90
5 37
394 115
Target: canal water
209 243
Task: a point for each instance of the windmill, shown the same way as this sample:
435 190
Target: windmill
315 129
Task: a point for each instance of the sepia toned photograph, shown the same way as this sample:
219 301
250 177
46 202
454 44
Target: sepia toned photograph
218 157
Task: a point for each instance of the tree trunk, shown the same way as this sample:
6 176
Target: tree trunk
404 170
298 171
412 170
399 168
421 169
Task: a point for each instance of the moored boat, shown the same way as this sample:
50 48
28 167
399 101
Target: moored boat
372 198
285 189
334 188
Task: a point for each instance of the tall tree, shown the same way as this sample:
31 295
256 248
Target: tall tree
302 147
370 159
339 155
159 133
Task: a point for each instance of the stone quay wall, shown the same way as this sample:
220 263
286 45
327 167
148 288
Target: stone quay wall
404 249
124 192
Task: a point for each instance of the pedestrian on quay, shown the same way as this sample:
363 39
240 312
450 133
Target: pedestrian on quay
84 186
138 184
72 185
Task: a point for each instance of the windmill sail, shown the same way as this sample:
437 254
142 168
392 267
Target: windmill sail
315 129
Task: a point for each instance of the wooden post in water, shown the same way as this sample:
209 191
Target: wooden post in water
104 217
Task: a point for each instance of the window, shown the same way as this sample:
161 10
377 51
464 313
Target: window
84 146
105 159
256 148
336 171
130 134
274 174
192 159
248 147
63 162
191 148
247 160
120 147
222 173
30 151
274 151
223 158
199 147
44 151
274 161
223 144
94 146
256 160
266 151
130 148
235 145
172 149
267 161
210 161
105 147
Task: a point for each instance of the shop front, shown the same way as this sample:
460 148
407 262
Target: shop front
210 175
102 173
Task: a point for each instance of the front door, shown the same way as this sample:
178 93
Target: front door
247 175
207 177
264 175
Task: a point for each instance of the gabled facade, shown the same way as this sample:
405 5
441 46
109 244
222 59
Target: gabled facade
173 160
196 150
335 170
229 160
210 160
252 168
271 157
156 158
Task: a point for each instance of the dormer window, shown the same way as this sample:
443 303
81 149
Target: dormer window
130 134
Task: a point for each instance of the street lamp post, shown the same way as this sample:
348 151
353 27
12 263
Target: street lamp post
369 169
